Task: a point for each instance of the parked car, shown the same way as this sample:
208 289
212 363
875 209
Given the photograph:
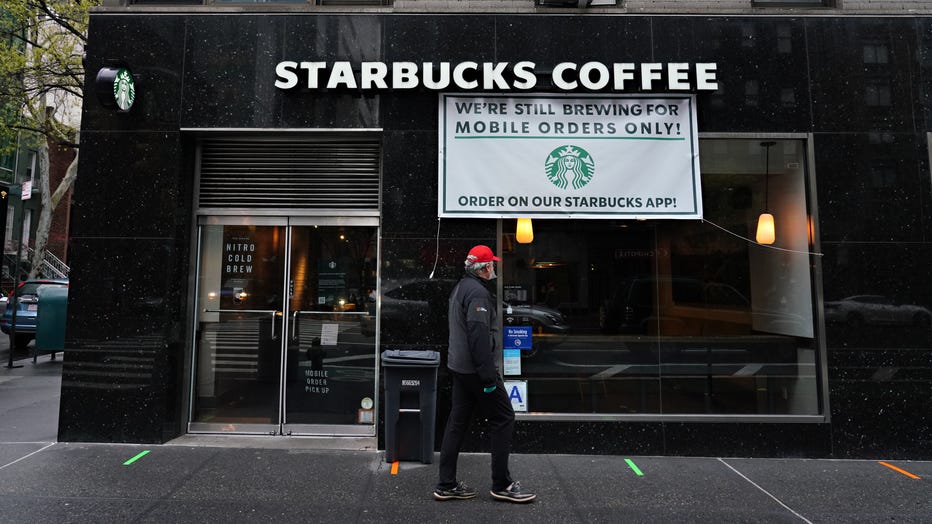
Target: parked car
27 309
860 310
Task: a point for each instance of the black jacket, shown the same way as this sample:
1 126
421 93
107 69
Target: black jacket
473 321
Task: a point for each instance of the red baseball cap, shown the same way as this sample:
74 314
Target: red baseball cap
480 254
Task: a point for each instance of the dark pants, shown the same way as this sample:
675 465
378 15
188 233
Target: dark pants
496 406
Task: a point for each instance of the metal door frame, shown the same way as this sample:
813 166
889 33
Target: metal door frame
281 428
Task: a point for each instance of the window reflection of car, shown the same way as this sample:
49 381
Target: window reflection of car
243 293
546 324
542 319
860 310
419 308
632 305
411 308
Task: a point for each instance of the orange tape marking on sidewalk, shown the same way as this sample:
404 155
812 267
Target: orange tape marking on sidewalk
395 468
898 470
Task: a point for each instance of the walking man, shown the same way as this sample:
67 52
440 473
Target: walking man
477 383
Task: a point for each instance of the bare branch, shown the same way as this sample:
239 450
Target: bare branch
21 127
23 39
66 24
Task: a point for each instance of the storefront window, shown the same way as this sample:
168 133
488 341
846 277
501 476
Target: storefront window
673 316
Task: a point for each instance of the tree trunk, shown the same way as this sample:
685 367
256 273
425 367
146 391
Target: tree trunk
70 174
49 203
45 212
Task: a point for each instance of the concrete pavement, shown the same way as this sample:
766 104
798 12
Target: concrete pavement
239 479
29 397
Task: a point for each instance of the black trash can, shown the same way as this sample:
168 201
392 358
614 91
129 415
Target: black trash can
410 404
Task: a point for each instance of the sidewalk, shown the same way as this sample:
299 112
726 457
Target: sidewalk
233 480
29 398
90 483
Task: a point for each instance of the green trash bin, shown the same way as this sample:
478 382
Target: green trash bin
50 319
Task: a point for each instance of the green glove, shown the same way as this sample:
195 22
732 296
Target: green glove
488 389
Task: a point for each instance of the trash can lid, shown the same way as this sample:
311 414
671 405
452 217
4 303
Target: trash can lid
411 357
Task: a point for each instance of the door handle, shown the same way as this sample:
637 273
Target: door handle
274 314
294 325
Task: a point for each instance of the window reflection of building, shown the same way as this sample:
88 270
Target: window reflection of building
878 78
876 52
880 174
752 93
877 93
784 39
788 97
748 35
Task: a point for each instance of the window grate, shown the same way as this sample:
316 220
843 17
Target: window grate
290 172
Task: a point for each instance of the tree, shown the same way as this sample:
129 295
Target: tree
41 89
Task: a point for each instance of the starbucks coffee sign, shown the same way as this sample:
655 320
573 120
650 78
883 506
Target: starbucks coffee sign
116 88
497 76
124 90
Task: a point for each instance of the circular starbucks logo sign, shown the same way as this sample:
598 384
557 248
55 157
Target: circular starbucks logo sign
569 166
124 89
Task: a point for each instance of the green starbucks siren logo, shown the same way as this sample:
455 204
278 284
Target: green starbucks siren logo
124 89
569 165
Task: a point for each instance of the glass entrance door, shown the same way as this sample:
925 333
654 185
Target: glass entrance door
330 365
280 346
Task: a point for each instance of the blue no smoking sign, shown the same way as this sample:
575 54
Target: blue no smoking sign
517 337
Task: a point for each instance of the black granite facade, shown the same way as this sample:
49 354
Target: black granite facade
860 85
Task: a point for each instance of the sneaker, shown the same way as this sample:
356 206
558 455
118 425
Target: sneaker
460 491
513 494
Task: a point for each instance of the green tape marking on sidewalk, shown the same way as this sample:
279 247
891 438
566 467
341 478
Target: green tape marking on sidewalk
137 457
634 467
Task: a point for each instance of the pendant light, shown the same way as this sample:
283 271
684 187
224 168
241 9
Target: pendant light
765 228
525 231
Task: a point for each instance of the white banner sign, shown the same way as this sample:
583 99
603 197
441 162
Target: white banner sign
549 156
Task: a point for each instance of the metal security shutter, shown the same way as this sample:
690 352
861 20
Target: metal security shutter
290 172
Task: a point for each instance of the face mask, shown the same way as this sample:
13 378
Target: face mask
492 275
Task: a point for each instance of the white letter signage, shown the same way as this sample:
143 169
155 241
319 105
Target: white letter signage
500 76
